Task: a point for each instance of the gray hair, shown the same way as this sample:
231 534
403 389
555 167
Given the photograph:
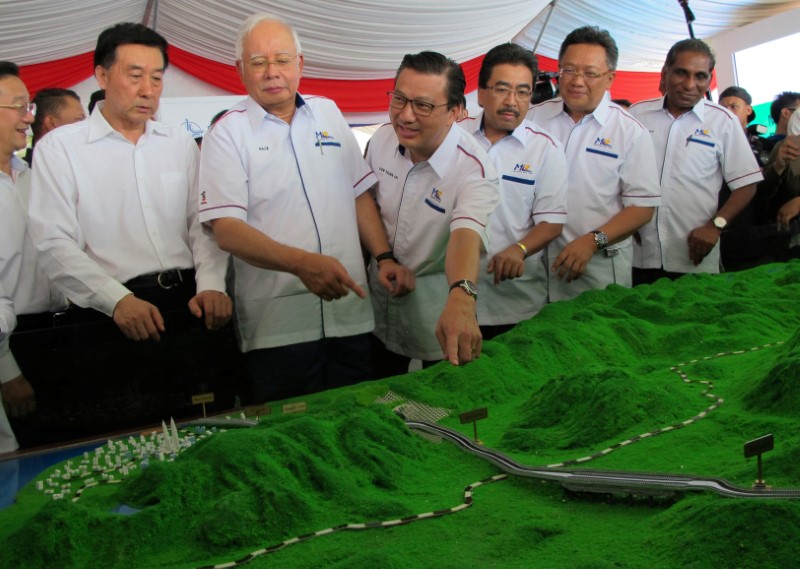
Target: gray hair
251 22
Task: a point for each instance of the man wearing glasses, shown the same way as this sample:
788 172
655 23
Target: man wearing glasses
698 145
612 186
436 190
533 190
284 187
24 288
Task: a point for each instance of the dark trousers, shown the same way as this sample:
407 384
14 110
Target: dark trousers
649 276
489 332
279 373
386 363
90 380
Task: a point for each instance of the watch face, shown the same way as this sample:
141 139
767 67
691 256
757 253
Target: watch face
600 239
720 222
470 287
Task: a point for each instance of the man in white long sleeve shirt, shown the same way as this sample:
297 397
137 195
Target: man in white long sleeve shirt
114 215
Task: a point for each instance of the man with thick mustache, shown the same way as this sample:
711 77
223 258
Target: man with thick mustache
533 190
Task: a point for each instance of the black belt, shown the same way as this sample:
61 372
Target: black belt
28 322
166 280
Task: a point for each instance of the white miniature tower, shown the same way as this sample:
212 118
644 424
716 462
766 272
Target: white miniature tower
166 443
176 443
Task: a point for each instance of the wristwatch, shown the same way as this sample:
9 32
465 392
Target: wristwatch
386 256
467 286
600 239
720 222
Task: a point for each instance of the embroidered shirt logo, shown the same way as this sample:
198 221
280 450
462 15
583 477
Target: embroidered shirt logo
702 132
603 142
203 200
602 147
325 138
523 169
434 200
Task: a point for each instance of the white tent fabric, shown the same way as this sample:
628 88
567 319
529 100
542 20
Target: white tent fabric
645 30
366 39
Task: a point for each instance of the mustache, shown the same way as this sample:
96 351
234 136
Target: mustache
508 110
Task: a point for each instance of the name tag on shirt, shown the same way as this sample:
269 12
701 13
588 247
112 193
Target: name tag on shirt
518 180
602 152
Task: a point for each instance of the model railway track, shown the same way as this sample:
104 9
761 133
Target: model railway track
604 480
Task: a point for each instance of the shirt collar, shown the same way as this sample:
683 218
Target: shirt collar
100 128
257 113
444 156
518 133
18 165
699 109
600 114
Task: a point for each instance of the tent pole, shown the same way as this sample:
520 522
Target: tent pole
151 8
552 5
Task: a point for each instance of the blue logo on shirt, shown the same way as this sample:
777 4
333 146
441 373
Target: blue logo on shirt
324 138
435 200
523 168
603 142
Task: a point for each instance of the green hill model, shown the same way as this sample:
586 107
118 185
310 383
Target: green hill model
722 351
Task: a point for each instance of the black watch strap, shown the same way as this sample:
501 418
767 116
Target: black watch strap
467 286
385 256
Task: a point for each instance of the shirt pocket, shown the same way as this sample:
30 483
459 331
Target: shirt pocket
174 195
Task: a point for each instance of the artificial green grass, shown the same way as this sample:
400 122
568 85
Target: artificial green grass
581 376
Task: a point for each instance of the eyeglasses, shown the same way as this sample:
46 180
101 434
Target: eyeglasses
420 108
22 108
262 63
501 92
588 76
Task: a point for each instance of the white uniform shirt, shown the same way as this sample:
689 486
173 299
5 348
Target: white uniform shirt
24 288
533 189
296 183
611 166
421 204
105 210
694 153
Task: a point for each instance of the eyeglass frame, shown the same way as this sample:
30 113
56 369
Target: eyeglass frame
280 62
22 108
414 102
494 88
588 76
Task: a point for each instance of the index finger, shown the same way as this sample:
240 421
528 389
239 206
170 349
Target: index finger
451 343
154 324
353 285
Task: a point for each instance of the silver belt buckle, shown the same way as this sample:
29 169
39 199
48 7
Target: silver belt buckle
168 286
